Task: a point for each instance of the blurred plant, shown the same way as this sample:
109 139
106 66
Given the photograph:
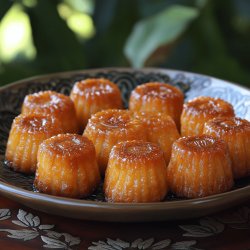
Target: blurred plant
206 36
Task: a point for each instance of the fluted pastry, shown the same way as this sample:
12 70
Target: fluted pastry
55 105
236 133
67 166
26 134
93 95
136 172
108 127
158 97
160 129
199 166
201 109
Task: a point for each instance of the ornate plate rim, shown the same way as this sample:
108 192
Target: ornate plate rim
97 210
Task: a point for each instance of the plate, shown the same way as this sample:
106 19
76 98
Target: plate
19 187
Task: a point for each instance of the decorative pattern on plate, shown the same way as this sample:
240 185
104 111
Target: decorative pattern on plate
192 85
31 228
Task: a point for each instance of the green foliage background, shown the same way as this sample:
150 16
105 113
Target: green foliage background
205 36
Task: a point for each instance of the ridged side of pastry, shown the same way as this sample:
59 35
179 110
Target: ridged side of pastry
55 105
201 109
107 128
199 166
236 133
93 95
26 134
67 166
158 97
160 129
136 172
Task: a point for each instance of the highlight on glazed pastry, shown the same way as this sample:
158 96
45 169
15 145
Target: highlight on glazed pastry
55 105
93 95
236 133
26 134
158 97
107 128
160 129
199 166
136 172
199 110
67 166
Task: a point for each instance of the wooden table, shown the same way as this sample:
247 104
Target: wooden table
24 228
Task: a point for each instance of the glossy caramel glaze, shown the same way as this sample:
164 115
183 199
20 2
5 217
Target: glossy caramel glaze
55 105
93 95
67 166
107 128
160 129
158 97
199 166
136 172
26 134
236 133
201 109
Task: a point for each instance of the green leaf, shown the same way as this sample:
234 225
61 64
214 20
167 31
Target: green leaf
153 32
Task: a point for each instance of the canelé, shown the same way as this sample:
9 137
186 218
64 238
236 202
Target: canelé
67 166
158 97
201 109
55 105
199 166
236 133
136 172
93 95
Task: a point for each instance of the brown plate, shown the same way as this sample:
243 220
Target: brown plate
19 187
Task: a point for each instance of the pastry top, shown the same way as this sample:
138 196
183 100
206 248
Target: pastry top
95 87
158 90
209 106
227 125
36 123
47 101
113 119
199 144
69 145
155 119
134 151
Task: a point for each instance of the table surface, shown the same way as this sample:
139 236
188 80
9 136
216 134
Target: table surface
24 228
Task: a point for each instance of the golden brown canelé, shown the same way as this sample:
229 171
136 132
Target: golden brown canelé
201 109
199 166
160 129
107 128
236 133
93 95
158 97
26 134
67 166
55 105
136 172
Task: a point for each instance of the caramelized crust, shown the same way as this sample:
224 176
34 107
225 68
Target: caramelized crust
67 166
108 127
199 166
136 172
160 129
198 111
158 97
236 133
93 95
26 134
55 105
